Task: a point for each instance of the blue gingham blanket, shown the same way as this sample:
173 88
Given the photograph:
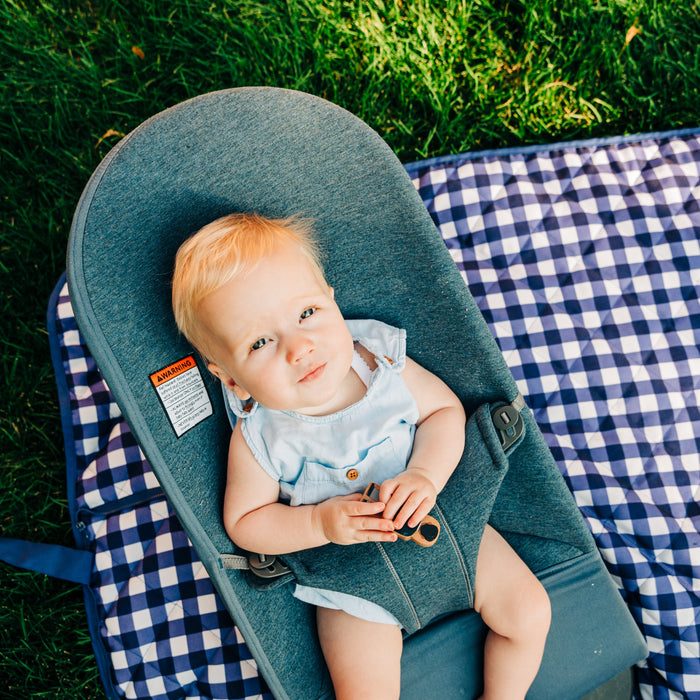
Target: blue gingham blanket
585 261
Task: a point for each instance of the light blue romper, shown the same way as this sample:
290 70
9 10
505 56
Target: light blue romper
317 457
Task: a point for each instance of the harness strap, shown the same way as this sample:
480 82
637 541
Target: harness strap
268 569
518 402
230 562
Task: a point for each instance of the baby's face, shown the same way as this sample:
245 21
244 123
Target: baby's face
276 334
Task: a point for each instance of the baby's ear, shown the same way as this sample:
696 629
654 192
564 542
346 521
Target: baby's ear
227 380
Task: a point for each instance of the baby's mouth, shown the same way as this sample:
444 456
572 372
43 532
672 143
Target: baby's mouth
315 373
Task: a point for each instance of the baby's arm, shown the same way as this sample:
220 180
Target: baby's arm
257 522
437 448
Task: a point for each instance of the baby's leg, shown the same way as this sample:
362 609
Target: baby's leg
364 658
515 606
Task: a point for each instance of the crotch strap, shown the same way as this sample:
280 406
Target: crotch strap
418 584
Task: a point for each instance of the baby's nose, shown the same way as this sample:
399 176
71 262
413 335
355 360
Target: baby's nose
299 347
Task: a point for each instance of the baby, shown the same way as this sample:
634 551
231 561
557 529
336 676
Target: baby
325 407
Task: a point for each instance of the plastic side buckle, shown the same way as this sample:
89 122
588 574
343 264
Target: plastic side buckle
508 423
267 566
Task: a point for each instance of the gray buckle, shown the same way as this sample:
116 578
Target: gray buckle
508 423
267 566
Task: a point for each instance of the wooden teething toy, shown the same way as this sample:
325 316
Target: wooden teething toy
425 533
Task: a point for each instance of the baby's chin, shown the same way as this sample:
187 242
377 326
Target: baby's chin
325 402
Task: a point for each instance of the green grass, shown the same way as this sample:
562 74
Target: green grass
433 77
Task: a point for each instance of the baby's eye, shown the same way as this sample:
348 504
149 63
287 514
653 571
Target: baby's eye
259 343
307 312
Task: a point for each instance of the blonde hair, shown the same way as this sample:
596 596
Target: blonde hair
224 249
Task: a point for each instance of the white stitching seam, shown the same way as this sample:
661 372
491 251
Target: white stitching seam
399 583
453 541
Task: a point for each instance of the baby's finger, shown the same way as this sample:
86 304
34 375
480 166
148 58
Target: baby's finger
375 523
409 508
418 515
395 500
387 489
381 537
360 508
385 533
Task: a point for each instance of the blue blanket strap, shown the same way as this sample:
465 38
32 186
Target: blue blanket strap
52 559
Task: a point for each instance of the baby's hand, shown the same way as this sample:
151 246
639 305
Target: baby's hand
348 520
409 497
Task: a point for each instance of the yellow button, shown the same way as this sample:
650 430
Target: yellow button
352 474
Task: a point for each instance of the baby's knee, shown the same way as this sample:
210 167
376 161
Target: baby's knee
535 613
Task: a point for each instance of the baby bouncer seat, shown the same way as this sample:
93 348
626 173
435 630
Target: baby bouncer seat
280 152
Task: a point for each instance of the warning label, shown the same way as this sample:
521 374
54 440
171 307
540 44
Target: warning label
182 392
